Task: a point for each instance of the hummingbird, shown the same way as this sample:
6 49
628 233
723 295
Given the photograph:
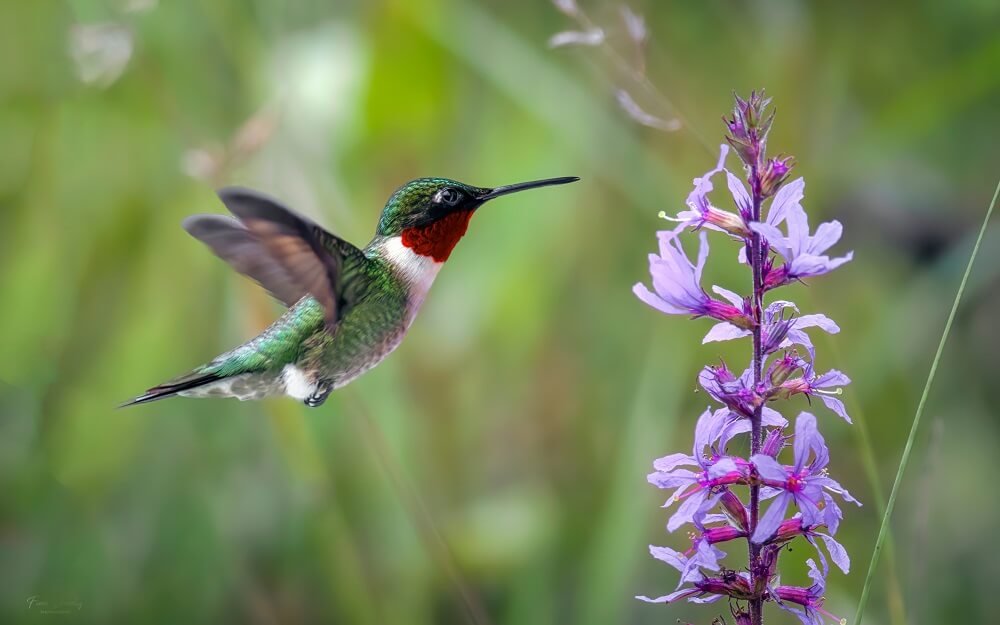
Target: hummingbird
348 308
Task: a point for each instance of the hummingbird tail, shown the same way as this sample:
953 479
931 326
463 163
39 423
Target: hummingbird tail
169 389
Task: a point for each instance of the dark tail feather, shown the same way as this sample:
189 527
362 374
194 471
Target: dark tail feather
169 389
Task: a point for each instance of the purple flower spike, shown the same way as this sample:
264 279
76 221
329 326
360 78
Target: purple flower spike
772 232
677 282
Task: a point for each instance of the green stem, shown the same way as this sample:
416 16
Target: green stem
883 529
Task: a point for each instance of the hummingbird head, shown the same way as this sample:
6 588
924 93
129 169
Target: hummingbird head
431 214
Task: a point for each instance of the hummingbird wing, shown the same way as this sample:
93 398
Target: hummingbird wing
318 262
243 250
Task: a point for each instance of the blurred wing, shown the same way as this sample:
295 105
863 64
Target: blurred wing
314 261
239 247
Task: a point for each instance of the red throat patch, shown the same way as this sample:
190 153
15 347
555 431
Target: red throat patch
438 239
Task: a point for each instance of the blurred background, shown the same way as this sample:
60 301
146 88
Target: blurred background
493 469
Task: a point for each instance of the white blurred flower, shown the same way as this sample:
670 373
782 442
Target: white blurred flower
100 52
202 163
635 24
567 6
592 37
636 113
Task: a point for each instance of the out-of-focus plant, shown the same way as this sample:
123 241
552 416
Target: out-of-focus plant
777 246
630 65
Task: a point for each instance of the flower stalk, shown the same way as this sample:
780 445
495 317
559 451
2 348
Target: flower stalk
776 245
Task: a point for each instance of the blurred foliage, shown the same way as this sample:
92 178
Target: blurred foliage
494 467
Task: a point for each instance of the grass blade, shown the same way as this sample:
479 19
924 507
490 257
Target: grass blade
883 528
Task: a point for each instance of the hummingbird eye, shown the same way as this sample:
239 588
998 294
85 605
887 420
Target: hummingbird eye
447 196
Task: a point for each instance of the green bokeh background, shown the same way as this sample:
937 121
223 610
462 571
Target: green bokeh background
497 460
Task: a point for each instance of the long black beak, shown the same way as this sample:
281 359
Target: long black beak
521 186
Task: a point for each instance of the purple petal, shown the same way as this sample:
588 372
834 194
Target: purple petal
721 419
703 184
672 479
805 439
714 518
826 235
837 262
831 514
836 406
811 514
800 614
724 331
775 514
818 577
775 308
723 466
798 230
768 468
786 196
707 556
707 423
705 599
687 510
798 337
805 265
834 486
710 502
771 417
731 297
663 599
818 321
656 301
668 555
831 378
739 193
766 492
702 254
837 553
774 238
735 425
668 463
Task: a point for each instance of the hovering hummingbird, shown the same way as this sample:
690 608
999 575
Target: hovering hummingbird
348 308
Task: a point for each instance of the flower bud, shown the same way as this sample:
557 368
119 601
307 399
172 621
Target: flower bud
722 534
788 530
774 442
794 594
785 366
774 174
748 128
735 509
730 584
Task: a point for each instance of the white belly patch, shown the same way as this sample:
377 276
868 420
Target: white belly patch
298 385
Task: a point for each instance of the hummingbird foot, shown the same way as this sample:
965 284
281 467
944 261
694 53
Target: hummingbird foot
323 390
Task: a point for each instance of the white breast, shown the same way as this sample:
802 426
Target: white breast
418 271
